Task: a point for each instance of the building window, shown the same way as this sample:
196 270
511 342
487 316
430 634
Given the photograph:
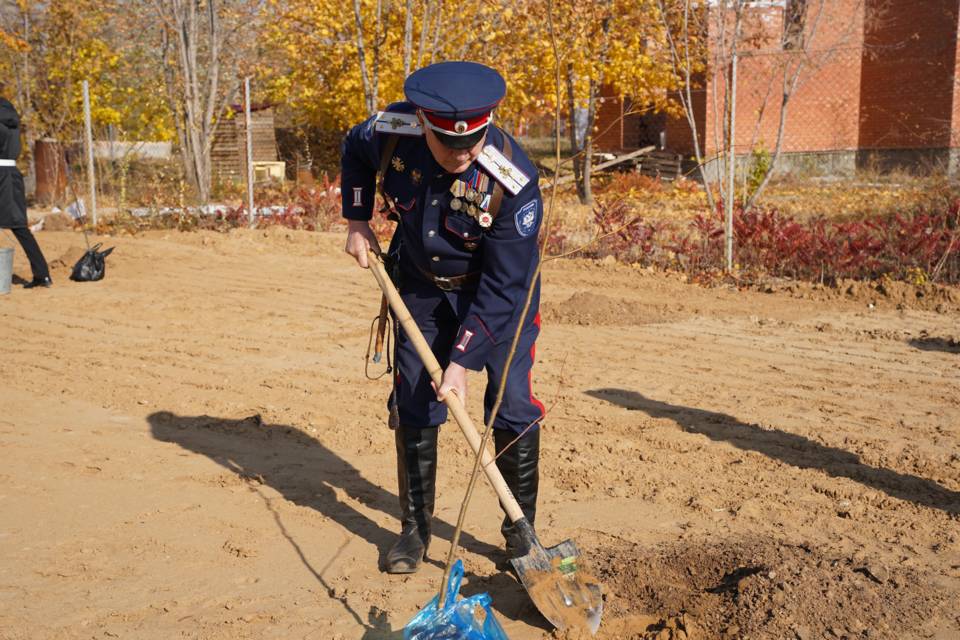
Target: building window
794 20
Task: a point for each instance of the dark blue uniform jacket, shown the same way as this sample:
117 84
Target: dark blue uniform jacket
434 238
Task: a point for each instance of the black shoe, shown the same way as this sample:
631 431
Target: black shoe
519 465
39 282
417 479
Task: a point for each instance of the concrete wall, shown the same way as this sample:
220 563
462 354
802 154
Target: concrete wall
139 150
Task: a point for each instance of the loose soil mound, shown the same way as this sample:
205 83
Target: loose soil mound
58 222
754 588
586 308
883 294
67 259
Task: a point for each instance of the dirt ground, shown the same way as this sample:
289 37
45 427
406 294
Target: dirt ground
190 449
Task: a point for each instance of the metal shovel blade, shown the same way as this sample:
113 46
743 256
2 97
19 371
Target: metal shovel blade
566 595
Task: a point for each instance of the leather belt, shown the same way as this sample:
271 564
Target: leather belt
450 283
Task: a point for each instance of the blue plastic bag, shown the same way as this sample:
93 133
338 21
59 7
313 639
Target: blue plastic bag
465 619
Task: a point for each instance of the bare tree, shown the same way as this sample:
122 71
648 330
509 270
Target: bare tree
583 148
370 73
371 38
685 32
202 44
803 49
707 41
428 10
408 38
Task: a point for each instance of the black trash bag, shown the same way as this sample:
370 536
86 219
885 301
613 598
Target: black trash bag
92 265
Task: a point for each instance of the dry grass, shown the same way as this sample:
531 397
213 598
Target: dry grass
839 200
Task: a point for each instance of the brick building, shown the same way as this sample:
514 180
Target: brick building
880 89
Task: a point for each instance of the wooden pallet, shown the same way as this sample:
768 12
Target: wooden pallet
661 164
631 158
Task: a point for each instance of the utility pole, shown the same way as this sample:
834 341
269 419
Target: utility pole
88 127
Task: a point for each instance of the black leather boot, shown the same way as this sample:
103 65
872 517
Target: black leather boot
519 467
39 282
417 480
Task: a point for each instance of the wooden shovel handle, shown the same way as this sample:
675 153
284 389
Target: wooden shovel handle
452 400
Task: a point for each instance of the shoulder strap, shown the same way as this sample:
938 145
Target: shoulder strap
497 197
388 148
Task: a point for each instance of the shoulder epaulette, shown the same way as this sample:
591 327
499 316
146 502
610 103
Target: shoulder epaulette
404 124
502 169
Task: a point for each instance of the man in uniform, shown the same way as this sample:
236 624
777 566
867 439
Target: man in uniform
468 207
13 204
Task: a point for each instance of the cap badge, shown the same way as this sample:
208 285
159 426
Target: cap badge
460 127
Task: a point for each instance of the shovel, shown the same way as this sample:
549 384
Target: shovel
566 595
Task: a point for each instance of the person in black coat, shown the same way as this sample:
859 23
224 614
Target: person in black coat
13 202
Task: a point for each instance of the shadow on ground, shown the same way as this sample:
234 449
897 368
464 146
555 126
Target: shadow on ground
309 474
948 345
789 448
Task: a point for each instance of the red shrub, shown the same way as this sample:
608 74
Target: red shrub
766 242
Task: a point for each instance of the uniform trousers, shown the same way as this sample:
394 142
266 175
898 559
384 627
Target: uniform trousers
416 401
38 264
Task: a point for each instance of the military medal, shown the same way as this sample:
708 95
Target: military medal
471 197
397 163
458 189
483 183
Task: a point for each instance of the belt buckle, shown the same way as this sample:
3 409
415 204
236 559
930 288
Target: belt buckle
443 283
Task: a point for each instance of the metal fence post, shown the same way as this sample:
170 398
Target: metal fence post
91 174
246 87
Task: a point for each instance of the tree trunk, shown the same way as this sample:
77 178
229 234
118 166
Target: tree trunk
682 67
193 82
791 79
368 96
424 29
378 41
575 144
408 39
584 189
436 32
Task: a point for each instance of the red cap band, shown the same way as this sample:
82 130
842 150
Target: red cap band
457 127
